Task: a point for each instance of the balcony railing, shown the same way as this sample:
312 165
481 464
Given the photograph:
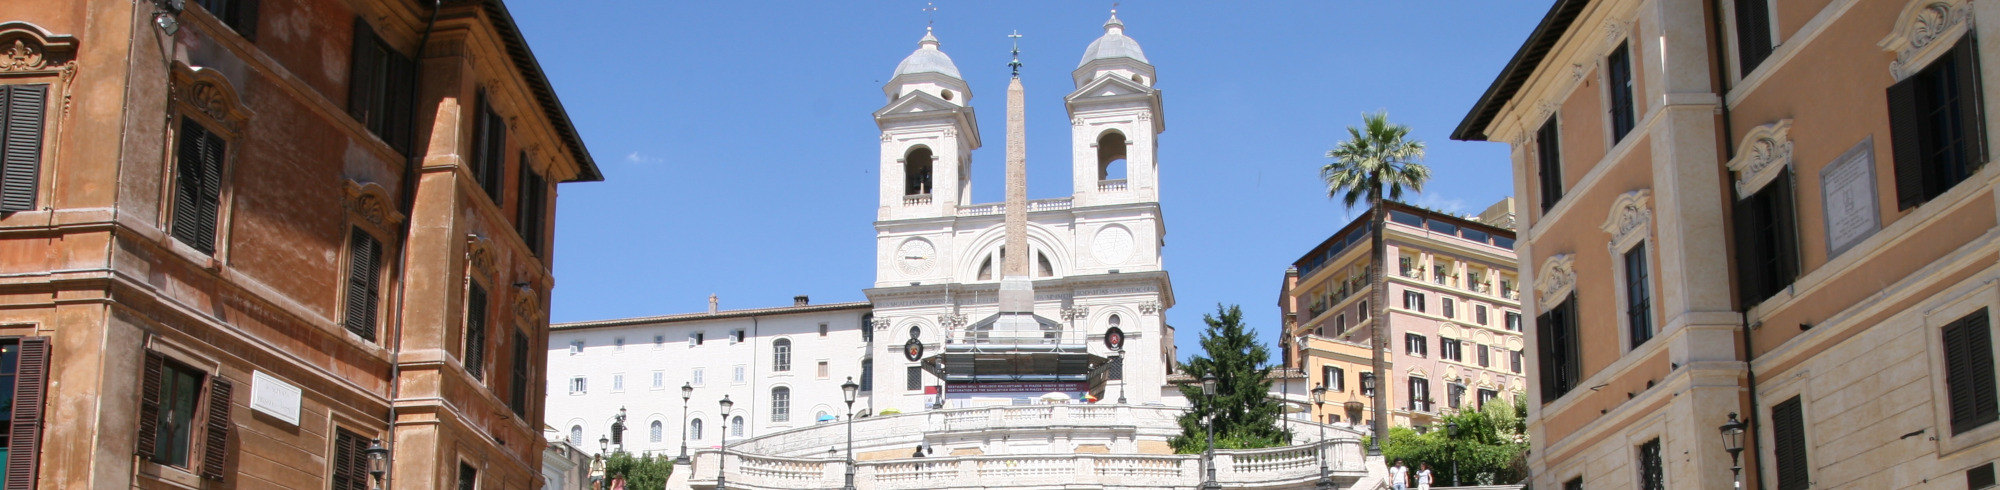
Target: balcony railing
916 199
993 208
1111 185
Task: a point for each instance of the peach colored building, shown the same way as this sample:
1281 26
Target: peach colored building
1774 210
241 242
1454 318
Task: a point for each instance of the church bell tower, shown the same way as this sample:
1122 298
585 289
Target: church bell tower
928 134
1114 122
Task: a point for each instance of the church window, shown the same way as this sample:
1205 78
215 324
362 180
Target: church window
781 404
986 270
1114 320
1042 266
656 431
916 331
917 172
946 93
1111 156
736 426
694 429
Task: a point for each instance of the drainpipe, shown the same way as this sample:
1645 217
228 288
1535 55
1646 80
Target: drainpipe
409 205
1750 419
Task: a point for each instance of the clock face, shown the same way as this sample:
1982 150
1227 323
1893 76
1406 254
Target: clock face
916 256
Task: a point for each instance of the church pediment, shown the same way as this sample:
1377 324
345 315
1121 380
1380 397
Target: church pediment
917 102
1109 86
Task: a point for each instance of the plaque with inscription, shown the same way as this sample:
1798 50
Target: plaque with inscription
1847 193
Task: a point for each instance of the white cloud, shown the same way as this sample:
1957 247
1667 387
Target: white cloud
636 157
1435 201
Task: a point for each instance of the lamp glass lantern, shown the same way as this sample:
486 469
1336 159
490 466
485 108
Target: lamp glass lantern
378 459
687 391
1208 384
1319 395
603 444
725 405
849 389
1732 435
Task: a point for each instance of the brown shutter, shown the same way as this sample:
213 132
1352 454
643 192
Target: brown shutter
475 332
1906 139
149 403
1753 34
1789 445
1965 60
398 99
209 203
22 107
25 436
187 181
1969 376
364 74
363 278
517 391
215 452
243 18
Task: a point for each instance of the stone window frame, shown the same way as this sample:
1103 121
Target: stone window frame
1940 311
370 210
1616 34
1653 426
479 270
1630 225
208 98
1798 383
211 368
1732 56
34 56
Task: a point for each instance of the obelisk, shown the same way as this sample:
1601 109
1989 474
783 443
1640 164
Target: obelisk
1017 287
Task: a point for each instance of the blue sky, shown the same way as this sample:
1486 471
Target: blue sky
740 156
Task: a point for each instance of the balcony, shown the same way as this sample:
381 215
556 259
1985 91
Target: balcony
916 199
995 208
972 451
1111 185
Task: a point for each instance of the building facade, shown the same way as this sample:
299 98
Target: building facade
244 241
781 368
1773 211
1454 331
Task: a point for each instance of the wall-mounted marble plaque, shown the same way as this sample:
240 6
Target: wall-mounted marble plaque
1847 191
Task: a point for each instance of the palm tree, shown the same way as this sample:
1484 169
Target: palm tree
1376 159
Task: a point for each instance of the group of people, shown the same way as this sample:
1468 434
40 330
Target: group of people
1399 476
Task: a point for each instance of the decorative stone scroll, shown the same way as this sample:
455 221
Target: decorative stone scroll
527 305
208 93
372 203
1923 32
1149 307
479 254
26 47
1631 218
1555 280
1764 153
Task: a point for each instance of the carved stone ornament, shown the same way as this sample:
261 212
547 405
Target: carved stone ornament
1612 31
372 203
1555 280
1149 307
1764 153
479 254
210 94
527 305
27 47
881 324
1076 121
1926 29
1631 218
886 138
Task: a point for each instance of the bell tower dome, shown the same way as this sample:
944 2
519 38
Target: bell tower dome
928 134
1115 118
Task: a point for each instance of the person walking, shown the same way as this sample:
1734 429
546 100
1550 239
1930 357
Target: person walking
1399 476
1423 476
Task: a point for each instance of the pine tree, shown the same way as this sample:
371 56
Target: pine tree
1245 416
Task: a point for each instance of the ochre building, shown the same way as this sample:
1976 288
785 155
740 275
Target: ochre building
242 242
1778 211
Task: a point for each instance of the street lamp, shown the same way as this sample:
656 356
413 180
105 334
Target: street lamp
1732 441
1451 432
603 444
1208 390
618 430
378 460
1319 405
687 391
1120 354
722 463
1374 439
847 390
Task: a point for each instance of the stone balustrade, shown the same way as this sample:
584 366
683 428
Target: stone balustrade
1111 185
995 208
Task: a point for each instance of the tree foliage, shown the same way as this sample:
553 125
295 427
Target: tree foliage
1245 416
1377 161
1489 445
639 472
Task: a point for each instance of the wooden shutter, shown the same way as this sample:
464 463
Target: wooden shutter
1972 137
398 99
22 107
215 451
1548 153
364 74
187 183
149 403
25 436
517 389
1969 377
1906 139
532 205
243 18
349 461
1788 435
364 265
1753 34
209 201
475 332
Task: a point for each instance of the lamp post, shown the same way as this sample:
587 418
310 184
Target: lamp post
1732 441
848 390
722 462
1120 353
1374 440
378 461
618 430
1451 432
1319 404
603 445
687 391
1208 390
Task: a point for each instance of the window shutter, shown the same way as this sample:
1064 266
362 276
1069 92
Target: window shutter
1548 152
187 183
475 332
243 18
517 391
1966 79
1784 237
1753 34
215 453
1789 445
23 107
1750 283
209 200
149 403
364 265
1906 138
363 73
1969 377
25 436
1544 352
399 99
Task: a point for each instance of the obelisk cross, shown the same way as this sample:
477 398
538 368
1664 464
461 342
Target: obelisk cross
930 14
1016 64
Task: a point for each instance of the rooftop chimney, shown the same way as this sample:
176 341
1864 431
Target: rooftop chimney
711 304
800 300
